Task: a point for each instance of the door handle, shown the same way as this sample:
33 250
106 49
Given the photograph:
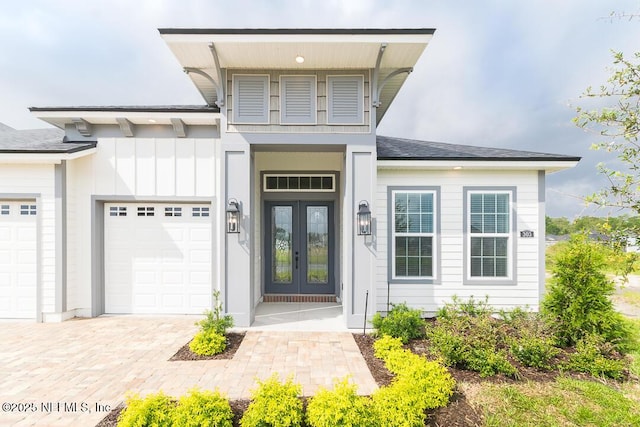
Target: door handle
296 260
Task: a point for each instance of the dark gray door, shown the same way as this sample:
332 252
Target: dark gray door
299 247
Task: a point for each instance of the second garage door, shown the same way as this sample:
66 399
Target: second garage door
157 258
18 271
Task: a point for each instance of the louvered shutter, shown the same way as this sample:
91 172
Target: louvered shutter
345 100
298 100
251 99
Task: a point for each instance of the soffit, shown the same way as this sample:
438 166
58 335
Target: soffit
278 49
194 116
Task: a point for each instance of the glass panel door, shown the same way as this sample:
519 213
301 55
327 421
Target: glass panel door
282 244
317 244
299 247
317 255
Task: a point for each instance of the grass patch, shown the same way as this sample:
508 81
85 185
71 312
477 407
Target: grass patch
634 367
566 402
630 297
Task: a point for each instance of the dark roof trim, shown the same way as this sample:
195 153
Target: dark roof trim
61 148
269 31
136 109
482 159
390 148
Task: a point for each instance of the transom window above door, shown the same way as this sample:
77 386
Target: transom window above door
299 182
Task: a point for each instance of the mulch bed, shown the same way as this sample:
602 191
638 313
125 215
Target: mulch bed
459 413
234 339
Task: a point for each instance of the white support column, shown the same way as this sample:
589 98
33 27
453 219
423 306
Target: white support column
238 283
359 251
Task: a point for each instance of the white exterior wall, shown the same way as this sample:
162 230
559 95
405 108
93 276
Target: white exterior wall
430 297
159 169
21 179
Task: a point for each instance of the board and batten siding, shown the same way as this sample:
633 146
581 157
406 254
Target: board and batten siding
450 271
321 125
155 167
37 179
161 169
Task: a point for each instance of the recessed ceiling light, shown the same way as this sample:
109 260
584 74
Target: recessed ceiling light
299 59
152 121
457 168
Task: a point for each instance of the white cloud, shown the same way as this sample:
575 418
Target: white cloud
496 73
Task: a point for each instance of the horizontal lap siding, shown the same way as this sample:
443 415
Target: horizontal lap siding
429 297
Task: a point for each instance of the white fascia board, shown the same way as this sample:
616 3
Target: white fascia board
43 158
547 165
297 38
136 117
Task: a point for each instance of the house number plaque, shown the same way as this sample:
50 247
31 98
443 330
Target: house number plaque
526 233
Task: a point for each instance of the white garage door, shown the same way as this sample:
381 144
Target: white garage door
157 258
18 258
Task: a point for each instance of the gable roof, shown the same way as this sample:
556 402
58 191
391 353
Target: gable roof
36 141
203 52
390 148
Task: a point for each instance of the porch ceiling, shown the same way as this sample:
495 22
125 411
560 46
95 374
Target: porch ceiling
322 49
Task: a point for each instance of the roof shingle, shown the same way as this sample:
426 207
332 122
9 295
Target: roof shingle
390 148
39 141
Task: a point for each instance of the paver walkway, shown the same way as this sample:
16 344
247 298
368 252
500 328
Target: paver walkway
71 373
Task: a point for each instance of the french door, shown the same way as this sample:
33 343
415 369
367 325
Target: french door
299 247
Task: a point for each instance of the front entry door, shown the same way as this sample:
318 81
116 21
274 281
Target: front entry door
299 247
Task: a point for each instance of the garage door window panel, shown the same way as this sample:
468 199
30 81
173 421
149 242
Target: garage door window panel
146 211
28 210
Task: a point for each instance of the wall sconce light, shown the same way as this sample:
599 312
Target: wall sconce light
233 216
364 219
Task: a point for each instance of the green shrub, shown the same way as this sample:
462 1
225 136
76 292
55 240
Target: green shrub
534 351
154 410
448 344
489 362
339 407
466 335
419 385
208 342
203 409
470 307
274 404
593 356
401 322
398 406
214 319
385 344
578 297
531 339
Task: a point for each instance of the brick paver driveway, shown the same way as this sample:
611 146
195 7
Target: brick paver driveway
72 373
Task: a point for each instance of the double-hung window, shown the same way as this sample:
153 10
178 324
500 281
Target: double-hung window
489 234
413 235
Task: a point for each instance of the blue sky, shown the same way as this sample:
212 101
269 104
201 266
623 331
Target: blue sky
497 73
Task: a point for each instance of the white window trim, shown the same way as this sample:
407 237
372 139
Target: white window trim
433 235
236 97
314 99
511 255
328 98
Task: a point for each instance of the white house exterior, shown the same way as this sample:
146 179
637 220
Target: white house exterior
124 209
